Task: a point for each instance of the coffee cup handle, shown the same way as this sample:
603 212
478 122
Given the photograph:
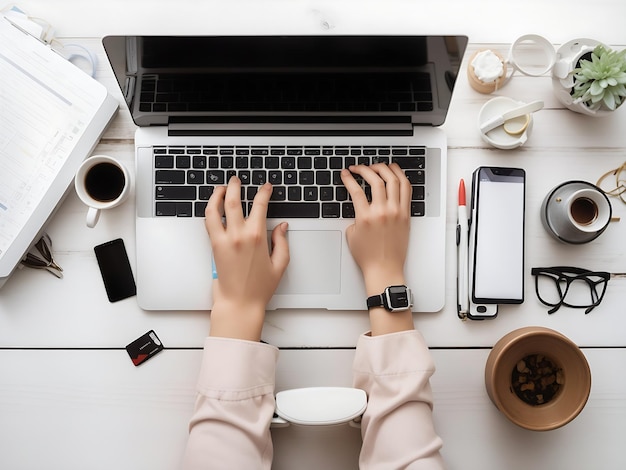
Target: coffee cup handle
93 215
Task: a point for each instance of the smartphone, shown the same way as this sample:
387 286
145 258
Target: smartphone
115 269
497 236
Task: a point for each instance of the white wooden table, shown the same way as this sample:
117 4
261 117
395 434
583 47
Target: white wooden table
71 398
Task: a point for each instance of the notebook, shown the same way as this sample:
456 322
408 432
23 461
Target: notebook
52 115
291 110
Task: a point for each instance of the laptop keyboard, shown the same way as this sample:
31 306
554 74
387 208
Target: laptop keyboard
306 180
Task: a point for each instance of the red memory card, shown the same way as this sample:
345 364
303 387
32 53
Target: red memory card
144 347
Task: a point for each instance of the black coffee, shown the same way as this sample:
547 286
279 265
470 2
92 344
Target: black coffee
584 211
104 182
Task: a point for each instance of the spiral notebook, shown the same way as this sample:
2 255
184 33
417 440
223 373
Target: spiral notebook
52 115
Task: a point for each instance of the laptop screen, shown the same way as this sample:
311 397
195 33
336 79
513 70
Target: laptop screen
169 79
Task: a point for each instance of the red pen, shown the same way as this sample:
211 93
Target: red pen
462 234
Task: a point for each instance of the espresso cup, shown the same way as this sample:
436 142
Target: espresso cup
576 212
101 183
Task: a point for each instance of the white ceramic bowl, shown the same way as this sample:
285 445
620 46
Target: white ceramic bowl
498 137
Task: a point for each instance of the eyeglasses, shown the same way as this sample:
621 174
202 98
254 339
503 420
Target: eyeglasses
571 287
619 188
45 261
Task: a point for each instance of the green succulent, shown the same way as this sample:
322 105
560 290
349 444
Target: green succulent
601 80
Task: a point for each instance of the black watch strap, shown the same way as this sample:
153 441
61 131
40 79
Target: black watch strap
376 301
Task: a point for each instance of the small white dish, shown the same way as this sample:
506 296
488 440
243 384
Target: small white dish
320 406
498 137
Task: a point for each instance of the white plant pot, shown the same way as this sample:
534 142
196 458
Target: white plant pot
567 57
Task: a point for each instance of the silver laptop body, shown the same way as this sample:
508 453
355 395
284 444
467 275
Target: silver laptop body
279 100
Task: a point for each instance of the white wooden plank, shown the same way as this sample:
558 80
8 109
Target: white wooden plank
483 21
94 409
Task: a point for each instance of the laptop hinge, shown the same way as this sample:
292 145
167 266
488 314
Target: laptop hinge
291 125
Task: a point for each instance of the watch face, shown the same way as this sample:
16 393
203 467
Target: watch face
399 297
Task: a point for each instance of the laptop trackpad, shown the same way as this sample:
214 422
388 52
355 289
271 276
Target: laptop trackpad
315 263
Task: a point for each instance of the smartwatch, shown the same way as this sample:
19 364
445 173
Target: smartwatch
394 299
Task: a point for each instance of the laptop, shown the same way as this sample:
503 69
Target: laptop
292 110
52 115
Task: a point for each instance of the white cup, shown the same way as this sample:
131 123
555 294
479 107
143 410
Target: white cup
576 212
101 183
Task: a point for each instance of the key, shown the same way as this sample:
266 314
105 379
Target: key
417 209
406 162
183 161
326 193
195 177
183 209
347 210
170 177
215 177
294 193
259 177
415 176
301 210
204 192
306 177
305 163
322 178
164 161
279 193
330 210
176 192
165 208
417 193
275 177
310 193
199 208
199 161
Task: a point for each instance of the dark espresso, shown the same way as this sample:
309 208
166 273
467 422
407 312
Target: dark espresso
584 211
105 182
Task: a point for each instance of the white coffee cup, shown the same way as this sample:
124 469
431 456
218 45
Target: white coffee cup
101 183
576 212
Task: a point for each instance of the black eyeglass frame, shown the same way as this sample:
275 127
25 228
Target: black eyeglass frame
569 274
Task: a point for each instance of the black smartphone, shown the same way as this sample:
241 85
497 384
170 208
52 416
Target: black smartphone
497 235
115 269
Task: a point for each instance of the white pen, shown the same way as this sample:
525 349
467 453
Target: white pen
462 233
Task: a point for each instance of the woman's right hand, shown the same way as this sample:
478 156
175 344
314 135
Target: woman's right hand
379 237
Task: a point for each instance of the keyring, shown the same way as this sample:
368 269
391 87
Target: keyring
518 60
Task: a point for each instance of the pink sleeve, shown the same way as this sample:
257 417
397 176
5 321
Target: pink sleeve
397 427
230 426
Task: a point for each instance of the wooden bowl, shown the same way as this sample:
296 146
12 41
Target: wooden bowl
502 370
479 85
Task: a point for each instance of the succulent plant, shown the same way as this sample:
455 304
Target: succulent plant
601 80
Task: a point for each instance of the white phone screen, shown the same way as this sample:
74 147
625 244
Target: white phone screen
498 218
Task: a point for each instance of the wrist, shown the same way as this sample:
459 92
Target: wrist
383 321
238 320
